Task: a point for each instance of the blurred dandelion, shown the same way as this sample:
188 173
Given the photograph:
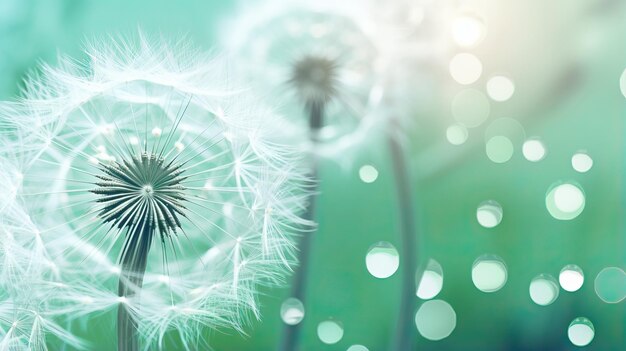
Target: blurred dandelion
339 60
152 145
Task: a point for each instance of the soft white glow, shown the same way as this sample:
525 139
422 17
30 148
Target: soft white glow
456 134
543 290
581 331
467 30
489 274
500 88
368 173
156 131
533 150
465 68
582 162
292 311
382 260
489 214
330 332
470 108
571 278
435 319
499 149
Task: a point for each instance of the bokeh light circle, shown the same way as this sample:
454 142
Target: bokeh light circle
382 260
430 283
330 331
565 200
489 213
543 290
610 285
582 162
499 149
581 332
470 108
571 278
489 273
500 88
456 134
292 311
534 150
465 68
435 319
368 173
357 348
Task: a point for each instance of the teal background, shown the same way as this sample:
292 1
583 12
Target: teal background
567 93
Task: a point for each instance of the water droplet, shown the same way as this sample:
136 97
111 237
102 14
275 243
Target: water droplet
571 278
533 150
357 348
610 285
500 88
292 311
565 200
382 260
368 173
435 319
456 134
489 214
431 282
465 68
543 290
470 108
489 273
499 149
330 331
581 332
582 162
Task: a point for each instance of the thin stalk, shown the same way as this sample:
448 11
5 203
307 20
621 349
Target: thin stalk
291 333
134 259
404 330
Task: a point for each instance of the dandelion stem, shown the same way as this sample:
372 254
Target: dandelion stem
133 261
404 329
291 333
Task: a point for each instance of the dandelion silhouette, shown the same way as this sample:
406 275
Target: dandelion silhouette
152 156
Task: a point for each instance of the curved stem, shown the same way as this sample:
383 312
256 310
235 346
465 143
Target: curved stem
404 329
291 333
134 260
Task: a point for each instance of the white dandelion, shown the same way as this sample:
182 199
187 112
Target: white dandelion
116 153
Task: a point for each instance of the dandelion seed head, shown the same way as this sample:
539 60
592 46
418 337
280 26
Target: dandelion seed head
155 136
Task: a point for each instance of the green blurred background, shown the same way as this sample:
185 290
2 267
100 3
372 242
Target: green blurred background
566 59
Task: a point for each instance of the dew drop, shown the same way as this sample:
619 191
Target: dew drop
571 278
431 282
581 331
330 331
543 290
489 273
565 200
435 319
292 311
382 260
489 214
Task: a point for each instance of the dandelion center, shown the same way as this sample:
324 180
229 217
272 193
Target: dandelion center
141 194
315 78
